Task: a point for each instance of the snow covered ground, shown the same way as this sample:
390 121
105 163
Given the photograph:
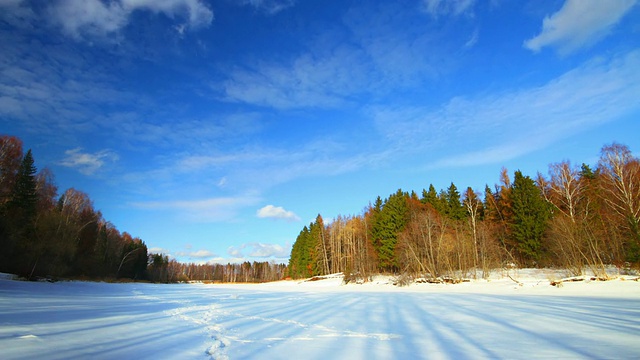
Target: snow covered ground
499 319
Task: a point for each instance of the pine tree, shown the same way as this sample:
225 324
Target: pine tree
392 220
431 197
306 260
24 198
454 208
21 212
297 260
375 226
530 216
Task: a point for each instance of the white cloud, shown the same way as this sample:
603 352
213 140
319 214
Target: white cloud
277 212
236 251
579 23
204 210
259 250
500 127
87 163
198 254
268 250
90 16
97 18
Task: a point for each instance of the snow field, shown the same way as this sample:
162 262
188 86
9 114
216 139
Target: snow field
320 320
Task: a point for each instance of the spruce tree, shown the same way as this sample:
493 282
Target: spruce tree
454 208
392 220
21 213
530 216
298 258
305 259
24 198
431 197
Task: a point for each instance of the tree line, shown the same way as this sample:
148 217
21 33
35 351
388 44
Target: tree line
165 270
46 235
576 218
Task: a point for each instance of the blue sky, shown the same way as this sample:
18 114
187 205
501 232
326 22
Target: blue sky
215 130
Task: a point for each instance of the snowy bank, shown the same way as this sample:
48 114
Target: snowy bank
523 281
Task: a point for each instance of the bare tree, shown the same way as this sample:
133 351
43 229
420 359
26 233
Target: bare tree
621 176
571 231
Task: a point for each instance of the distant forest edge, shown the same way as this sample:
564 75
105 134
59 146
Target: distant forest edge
576 218
46 235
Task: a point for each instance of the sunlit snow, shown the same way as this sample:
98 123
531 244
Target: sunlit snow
321 320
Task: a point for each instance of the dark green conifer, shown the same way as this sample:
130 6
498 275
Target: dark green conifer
530 215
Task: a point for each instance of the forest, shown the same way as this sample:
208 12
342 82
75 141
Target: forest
43 235
575 218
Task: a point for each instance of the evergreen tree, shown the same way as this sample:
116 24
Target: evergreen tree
431 197
296 260
315 247
586 172
305 260
530 215
392 220
20 217
453 206
375 224
24 198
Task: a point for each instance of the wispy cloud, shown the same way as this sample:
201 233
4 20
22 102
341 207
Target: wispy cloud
277 212
261 167
270 7
473 39
158 250
10 3
438 8
201 254
36 93
88 163
578 24
203 210
259 250
304 81
500 127
16 12
324 75
95 18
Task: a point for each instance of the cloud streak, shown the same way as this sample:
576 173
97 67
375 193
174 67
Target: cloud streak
578 24
437 8
370 60
202 210
276 212
200 255
526 120
305 81
259 250
88 163
269 7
